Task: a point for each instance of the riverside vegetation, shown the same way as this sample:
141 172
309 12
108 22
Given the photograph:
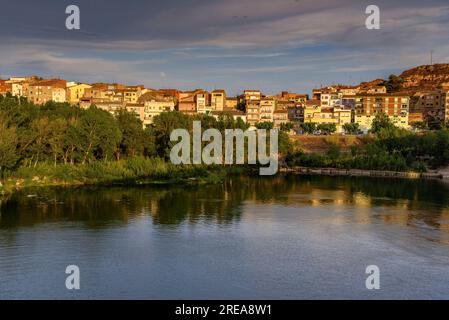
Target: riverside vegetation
60 144
387 147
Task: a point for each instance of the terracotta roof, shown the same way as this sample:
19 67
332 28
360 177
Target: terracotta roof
281 111
152 96
313 102
50 83
398 94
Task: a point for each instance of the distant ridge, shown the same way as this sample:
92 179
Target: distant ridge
426 77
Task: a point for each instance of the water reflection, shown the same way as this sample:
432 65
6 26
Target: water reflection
249 238
404 202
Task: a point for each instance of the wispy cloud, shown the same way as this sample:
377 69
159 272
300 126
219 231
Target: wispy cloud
222 43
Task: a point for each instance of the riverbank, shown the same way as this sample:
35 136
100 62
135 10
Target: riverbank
141 171
132 172
365 173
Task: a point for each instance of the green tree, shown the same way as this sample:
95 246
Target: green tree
57 137
40 134
8 146
285 144
286 126
434 123
265 125
394 83
308 127
163 125
98 135
333 151
351 128
327 128
419 125
381 122
133 134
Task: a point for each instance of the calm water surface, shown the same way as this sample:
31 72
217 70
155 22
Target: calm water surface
272 238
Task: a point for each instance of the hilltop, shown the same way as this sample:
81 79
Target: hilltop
426 77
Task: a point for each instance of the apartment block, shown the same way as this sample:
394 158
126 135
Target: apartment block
296 114
330 98
76 91
131 94
338 115
59 95
295 98
154 105
187 102
267 108
396 106
253 112
252 95
218 100
429 104
231 103
5 87
203 102
280 117
43 91
20 85
112 92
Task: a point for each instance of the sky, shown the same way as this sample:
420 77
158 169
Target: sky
270 45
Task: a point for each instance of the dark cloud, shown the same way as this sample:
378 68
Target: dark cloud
198 42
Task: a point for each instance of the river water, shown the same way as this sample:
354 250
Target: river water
293 237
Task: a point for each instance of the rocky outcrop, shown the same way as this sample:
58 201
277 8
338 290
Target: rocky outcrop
426 77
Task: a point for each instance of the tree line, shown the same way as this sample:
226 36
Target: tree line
386 148
59 133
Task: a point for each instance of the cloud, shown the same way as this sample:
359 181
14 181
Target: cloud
221 43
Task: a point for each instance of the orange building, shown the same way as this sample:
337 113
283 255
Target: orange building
5 87
43 91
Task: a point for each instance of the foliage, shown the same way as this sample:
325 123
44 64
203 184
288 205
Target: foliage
8 144
351 128
93 143
392 149
394 83
381 122
286 126
419 125
327 128
133 137
265 125
308 127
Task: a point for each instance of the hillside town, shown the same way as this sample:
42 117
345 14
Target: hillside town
335 106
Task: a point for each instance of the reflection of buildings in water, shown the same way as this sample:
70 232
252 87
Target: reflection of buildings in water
397 212
350 200
444 220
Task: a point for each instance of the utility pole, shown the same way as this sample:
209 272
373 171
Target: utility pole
431 57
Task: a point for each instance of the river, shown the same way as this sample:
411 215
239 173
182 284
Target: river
287 237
